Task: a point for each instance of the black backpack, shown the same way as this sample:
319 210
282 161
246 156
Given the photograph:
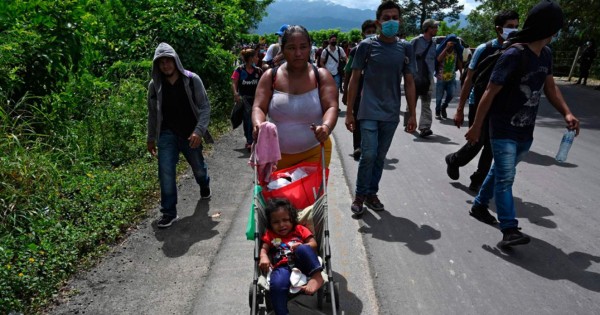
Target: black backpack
422 80
485 67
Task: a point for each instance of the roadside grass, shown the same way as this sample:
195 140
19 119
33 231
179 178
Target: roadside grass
73 180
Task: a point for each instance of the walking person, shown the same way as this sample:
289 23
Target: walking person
512 104
448 60
424 49
300 99
331 59
244 82
380 60
505 23
178 117
585 62
369 29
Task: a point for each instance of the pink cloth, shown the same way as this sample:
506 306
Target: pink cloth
265 151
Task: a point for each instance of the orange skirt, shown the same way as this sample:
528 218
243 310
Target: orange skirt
312 155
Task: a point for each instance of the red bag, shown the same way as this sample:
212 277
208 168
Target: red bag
299 192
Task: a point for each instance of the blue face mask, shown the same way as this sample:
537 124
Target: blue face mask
390 28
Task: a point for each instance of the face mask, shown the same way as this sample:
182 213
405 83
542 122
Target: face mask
371 36
390 28
506 31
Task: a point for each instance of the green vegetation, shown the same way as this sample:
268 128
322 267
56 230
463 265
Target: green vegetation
74 174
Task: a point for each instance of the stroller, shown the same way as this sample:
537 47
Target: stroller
314 217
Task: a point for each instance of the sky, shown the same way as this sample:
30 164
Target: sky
372 4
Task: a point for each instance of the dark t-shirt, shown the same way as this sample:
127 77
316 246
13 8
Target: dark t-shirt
515 107
177 112
247 82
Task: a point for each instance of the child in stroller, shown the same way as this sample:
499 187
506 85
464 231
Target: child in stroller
288 245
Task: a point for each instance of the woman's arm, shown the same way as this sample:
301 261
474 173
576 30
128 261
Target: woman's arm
263 95
328 93
236 93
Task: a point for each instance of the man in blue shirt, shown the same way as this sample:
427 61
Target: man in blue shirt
512 106
382 60
506 22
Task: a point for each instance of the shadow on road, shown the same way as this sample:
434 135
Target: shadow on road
544 160
388 164
244 154
552 263
396 229
184 233
433 138
533 212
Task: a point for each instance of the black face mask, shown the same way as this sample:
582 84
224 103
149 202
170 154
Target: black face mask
333 43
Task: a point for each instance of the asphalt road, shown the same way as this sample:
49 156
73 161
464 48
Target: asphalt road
428 256
423 255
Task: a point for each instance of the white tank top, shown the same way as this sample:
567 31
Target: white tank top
293 115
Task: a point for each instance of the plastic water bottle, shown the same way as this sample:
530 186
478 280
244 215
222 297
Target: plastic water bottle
565 145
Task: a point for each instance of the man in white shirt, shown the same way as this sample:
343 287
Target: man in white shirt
331 58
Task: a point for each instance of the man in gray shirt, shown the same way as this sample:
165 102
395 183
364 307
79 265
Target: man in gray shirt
424 45
384 61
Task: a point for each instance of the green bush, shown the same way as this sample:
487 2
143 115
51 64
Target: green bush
74 172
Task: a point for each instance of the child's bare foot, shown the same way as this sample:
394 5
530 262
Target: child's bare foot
314 283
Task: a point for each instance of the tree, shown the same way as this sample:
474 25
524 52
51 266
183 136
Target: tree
416 12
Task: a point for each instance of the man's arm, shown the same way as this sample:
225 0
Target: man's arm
411 101
352 90
151 136
459 116
483 108
323 57
347 74
556 99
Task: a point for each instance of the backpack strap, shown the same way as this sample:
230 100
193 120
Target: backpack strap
274 76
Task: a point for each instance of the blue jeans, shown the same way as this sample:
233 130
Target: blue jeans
376 138
169 147
338 80
499 181
306 260
441 87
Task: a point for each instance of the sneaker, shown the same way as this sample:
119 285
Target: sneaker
425 133
437 114
482 214
451 169
205 192
357 205
356 154
512 237
373 203
444 113
166 221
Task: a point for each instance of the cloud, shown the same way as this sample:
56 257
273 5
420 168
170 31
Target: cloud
372 4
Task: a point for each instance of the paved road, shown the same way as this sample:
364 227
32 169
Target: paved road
423 255
428 256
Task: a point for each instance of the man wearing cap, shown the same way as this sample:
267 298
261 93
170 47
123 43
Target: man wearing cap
424 46
512 105
274 57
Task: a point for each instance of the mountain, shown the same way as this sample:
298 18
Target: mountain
317 15
314 15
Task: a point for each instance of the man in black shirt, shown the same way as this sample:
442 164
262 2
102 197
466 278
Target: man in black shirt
178 117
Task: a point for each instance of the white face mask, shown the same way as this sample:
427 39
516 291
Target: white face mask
371 36
506 31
